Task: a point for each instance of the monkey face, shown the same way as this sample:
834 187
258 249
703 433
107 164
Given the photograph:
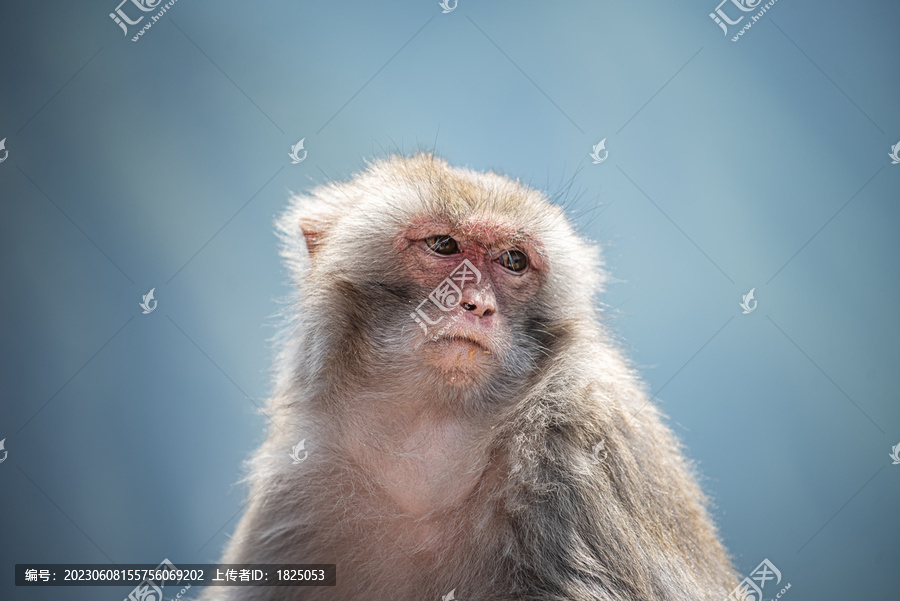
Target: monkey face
474 276
417 269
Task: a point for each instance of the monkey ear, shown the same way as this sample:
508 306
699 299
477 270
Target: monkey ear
316 226
316 215
313 229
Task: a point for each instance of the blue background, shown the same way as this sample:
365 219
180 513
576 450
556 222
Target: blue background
758 164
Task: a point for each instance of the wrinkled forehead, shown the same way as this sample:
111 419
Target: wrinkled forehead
484 229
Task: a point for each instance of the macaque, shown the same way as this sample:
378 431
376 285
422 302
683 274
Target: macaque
471 429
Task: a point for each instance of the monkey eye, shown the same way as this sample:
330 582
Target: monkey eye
514 260
442 245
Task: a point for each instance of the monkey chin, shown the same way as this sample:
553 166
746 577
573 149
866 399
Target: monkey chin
460 361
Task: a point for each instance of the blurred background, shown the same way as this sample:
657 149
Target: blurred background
161 163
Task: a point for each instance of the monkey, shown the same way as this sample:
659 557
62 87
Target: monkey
471 428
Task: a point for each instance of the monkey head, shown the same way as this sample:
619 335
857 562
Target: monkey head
438 272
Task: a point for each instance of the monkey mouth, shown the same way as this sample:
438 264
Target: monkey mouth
461 338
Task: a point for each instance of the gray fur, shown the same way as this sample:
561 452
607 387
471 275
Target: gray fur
539 520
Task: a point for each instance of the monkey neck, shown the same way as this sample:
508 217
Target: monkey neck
420 452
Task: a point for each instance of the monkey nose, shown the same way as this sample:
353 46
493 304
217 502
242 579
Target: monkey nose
481 310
